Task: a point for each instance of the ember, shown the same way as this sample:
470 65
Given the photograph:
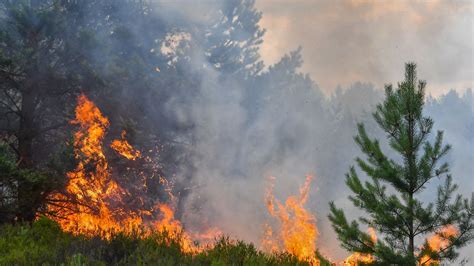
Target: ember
357 258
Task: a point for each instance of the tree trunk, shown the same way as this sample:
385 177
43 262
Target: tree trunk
412 175
411 238
26 134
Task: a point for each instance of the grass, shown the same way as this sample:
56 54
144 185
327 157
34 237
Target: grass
44 243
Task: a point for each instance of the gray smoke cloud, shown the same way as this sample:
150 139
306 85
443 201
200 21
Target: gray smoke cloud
358 40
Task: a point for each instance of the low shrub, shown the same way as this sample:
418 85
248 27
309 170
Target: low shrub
44 243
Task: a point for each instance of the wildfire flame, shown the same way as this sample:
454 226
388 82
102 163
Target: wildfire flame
438 242
356 258
90 183
93 203
297 232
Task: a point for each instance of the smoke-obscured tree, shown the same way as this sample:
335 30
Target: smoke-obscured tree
279 90
43 65
232 42
391 197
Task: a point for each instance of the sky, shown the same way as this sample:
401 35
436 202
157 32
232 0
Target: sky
355 40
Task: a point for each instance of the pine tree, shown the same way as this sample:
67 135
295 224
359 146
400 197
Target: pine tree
391 195
233 41
39 67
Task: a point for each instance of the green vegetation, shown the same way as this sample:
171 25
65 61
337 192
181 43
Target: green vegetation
44 243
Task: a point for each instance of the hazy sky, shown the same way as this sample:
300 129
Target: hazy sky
346 41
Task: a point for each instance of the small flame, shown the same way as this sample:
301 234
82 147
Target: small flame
124 148
438 242
356 258
298 232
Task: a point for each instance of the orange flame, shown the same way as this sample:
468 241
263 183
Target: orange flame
90 183
124 148
356 258
298 233
93 204
438 242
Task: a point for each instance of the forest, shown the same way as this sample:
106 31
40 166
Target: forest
141 132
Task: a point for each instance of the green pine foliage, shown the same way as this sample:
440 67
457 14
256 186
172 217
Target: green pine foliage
391 195
34 184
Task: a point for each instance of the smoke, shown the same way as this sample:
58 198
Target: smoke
346 41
